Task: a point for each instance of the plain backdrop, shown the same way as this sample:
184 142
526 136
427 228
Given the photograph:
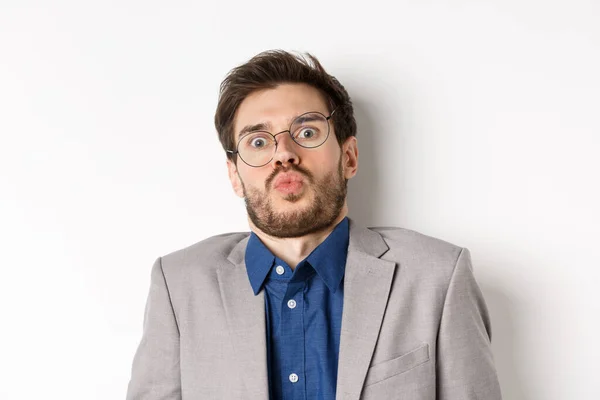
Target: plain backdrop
478 124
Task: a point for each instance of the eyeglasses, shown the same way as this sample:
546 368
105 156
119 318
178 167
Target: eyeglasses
308 130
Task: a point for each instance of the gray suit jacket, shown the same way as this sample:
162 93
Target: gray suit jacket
415 325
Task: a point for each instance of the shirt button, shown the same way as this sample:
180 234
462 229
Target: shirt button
293 378
279 270
292 304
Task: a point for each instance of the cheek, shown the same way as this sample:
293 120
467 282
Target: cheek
254 178
327 161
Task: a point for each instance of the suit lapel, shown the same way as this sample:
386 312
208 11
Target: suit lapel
245 315
367 282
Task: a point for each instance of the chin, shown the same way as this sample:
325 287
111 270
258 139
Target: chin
295 199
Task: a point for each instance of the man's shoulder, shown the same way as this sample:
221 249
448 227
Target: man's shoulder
408 238
210 251
415 248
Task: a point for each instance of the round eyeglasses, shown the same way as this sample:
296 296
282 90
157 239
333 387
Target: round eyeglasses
309 130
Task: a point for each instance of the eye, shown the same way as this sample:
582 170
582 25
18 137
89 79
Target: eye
258 142
306 133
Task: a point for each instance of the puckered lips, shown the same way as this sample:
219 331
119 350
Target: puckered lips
288 183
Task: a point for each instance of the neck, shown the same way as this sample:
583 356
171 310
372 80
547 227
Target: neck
294 250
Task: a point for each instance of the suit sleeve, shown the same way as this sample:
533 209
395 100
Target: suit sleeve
465 364
155 374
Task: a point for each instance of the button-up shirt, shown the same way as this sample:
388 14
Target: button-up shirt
303 315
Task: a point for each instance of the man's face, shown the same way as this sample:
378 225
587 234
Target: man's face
302 190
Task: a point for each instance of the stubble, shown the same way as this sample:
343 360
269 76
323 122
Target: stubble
329 197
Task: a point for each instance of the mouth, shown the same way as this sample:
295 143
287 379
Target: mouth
288 183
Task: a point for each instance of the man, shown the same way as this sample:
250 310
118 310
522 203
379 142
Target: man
309 305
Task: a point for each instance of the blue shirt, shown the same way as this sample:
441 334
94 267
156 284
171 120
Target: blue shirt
303 315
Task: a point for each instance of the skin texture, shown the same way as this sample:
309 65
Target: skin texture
330 195
292 222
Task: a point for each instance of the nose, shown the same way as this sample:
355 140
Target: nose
286 152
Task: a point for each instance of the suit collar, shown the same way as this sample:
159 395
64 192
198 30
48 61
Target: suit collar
363 240
236 257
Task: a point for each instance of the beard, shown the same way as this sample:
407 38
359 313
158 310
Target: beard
329 198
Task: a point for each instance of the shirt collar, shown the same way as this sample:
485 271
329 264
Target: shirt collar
328 259
259 261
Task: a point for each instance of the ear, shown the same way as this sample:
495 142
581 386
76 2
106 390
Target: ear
234 178
350 157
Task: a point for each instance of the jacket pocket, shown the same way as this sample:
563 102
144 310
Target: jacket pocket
398 365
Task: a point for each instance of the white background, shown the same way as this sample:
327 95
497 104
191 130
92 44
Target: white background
478 124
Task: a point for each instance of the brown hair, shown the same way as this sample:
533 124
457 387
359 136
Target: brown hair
267 70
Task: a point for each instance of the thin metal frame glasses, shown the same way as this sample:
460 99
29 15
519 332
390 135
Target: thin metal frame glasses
306 131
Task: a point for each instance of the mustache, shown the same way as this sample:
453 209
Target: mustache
292 167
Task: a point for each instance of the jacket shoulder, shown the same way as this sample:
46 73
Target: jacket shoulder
211 251
417 241
418 250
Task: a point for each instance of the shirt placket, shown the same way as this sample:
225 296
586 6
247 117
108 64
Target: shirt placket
292 334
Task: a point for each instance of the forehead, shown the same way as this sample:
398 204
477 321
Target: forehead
278 106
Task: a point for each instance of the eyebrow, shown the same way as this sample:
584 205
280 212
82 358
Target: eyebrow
266 126
263 126
306 118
